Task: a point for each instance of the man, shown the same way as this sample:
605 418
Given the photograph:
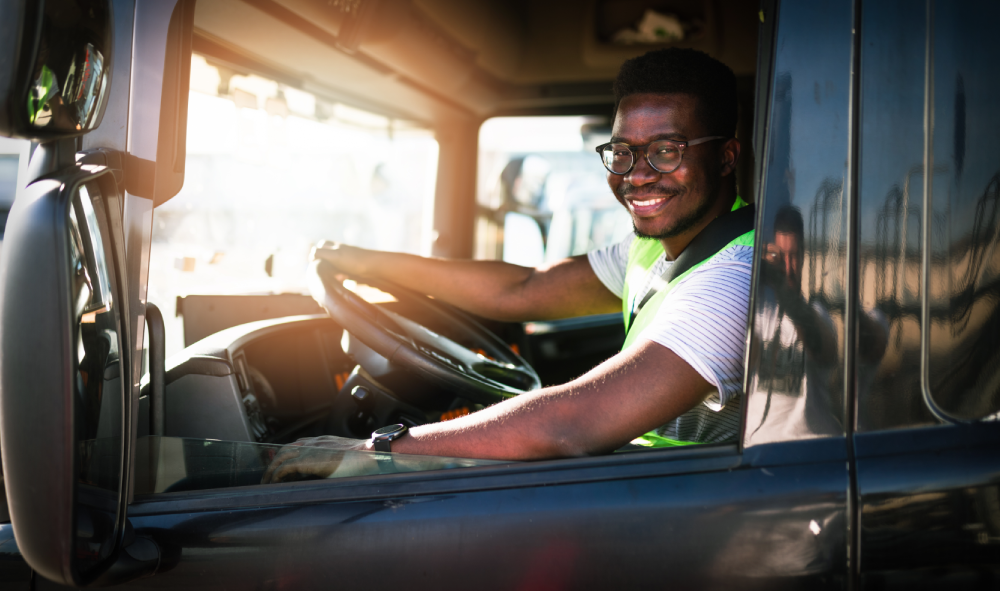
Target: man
672 165
800 336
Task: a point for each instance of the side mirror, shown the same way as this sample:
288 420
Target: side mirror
54 67
63 409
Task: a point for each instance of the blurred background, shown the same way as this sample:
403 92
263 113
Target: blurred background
247 217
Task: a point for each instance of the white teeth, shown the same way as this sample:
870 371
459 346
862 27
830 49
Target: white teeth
646 203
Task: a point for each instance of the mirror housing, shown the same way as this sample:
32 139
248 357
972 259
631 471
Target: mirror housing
55 67
63 411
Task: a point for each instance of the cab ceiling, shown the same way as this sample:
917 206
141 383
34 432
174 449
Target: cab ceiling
440 60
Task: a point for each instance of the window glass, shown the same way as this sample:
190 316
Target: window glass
955 339
97 380
270 171
963 341
175 464
542 191
796 387
890 200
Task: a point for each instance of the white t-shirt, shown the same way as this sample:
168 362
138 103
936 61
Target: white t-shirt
703 320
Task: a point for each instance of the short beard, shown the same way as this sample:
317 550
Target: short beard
680 226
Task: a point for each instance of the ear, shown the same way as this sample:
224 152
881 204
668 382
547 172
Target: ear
730 155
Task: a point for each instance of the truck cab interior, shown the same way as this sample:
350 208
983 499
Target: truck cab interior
164 334
460 104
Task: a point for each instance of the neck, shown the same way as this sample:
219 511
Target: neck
675 245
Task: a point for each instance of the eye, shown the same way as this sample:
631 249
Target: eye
665 150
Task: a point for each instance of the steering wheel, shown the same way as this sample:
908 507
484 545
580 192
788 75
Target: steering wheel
406 349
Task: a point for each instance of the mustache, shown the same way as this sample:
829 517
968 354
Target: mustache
627 190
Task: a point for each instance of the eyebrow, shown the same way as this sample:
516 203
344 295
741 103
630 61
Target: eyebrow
661 136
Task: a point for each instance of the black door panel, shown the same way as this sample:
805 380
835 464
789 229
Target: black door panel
772 526
930 508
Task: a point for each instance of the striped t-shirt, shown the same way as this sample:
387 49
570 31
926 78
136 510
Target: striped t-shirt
703 320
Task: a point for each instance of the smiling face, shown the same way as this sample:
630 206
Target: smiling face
672 207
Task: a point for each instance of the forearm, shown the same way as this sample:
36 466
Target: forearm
508 431
622 398
492 289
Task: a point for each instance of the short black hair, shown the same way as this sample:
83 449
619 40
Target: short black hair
788 220
684 71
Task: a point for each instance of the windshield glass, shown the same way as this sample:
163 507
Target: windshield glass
542 191
271 170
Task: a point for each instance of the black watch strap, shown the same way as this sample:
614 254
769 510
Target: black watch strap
382 438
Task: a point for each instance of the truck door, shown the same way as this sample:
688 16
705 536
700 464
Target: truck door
927 313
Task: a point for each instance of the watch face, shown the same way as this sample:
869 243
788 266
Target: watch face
389 430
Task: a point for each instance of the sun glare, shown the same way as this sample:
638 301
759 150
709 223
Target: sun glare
271 170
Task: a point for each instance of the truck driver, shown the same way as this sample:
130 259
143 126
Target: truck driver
671 163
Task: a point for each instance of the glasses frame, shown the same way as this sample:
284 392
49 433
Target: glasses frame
645 150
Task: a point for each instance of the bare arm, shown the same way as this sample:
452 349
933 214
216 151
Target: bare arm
628 395
633 392
491 289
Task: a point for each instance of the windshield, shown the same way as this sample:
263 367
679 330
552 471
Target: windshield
271 170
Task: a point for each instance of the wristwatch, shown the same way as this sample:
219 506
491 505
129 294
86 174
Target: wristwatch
382 438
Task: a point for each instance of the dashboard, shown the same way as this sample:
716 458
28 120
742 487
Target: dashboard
275 381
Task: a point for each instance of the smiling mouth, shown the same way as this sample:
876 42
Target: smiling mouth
645 207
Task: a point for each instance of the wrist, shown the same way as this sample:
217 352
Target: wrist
383 439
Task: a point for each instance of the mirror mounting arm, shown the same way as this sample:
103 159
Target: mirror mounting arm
157 363
52 156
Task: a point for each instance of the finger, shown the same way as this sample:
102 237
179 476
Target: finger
321 251
315 467
329 251
288 452
320 441
289 468
279 459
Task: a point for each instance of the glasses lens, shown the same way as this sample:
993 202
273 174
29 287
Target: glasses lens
664 156
617 158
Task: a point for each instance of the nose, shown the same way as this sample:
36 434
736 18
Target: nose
642 173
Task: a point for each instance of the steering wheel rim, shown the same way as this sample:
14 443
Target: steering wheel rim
409 346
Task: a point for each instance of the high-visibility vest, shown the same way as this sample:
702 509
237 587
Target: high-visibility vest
642 256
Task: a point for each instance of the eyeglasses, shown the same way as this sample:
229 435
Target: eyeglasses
662 155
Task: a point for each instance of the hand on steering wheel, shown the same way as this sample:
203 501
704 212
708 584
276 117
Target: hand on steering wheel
458 368
350 260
